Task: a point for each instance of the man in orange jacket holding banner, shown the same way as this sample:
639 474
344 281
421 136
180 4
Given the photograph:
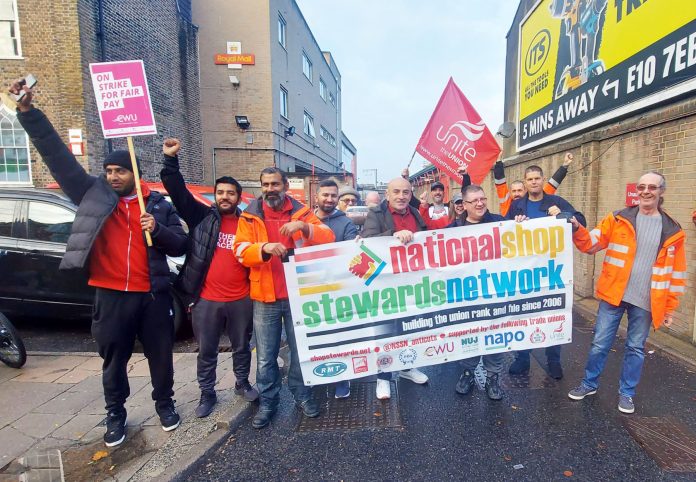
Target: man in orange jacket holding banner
643 274
269 229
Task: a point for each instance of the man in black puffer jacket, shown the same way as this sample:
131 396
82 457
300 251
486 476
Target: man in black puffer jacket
131 280
217 283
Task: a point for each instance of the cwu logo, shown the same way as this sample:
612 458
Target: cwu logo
126 118
330 369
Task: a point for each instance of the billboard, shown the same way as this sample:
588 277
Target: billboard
583 62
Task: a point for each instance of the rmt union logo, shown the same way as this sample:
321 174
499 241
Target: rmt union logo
537 52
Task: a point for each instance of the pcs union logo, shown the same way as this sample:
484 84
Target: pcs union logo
366 265
330 369
407 356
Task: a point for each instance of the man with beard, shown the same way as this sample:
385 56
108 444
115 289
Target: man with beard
344 230
395 217
436 216
214 279
643 275
269 229
131 279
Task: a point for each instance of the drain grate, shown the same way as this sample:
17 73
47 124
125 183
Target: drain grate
669 442
362 410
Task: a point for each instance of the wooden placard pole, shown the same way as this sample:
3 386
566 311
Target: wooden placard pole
136 173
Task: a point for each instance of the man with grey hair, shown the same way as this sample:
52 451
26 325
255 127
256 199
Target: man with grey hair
643 274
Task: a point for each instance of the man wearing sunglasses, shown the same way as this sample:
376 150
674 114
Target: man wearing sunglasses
643 275
347 196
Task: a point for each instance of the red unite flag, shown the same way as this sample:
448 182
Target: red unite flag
457 137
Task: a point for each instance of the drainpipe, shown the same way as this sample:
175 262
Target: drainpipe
102 48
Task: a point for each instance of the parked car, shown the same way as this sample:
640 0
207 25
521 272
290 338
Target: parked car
357 214
34 229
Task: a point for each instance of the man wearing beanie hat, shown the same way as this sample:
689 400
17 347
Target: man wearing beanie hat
131 279
347 196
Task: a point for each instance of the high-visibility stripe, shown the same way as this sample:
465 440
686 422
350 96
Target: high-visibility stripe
659 285
241 248
500 181
662 271
679 275
619 248
615 261
677 289
553 182
594 236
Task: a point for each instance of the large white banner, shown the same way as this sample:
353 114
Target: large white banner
375 305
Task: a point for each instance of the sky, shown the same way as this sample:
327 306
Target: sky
395 58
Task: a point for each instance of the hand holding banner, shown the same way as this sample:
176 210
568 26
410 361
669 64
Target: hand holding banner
457 137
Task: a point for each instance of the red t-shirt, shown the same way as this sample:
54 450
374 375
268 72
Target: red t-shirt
274 220
227 279
404 221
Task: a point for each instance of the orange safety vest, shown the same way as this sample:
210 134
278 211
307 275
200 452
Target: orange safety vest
252 235
617 234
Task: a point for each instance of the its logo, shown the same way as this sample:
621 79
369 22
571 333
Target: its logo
470 343
407 356
384 362
538 52
395 345
537 336
366 265
126 118
502 340
330 369
359 364
440 349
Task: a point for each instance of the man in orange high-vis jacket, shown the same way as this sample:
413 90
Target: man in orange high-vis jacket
643 274
269 229
517 189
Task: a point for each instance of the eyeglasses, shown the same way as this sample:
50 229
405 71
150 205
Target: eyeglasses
481 200
349 200
648 187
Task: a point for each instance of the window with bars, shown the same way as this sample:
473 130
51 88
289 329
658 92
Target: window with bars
14 150
9 30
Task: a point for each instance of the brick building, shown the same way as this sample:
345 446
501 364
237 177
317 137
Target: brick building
57 39
284 109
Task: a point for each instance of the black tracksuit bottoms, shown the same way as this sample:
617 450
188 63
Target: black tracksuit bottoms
118 318
210 319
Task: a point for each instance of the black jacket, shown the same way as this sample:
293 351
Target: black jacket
379 221
489 217
204 227
519 206
96 200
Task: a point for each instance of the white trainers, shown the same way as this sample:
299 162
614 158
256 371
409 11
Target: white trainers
383 389
415 375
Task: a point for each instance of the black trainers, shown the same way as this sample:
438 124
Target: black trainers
493 389
115 428
206 404
465 383
245 390
519 367
167 415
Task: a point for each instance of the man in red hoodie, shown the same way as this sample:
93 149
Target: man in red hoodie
131 279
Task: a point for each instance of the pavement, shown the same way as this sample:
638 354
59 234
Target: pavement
53 410
52 419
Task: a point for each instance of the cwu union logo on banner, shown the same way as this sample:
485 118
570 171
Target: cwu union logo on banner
366 265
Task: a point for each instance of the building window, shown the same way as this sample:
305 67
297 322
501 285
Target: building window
332 99
309 125
322 89
9 30
284 102
306 66
346 155
14 147
282 26
327 135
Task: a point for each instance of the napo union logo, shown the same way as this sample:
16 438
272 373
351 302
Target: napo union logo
408 355
537 336
384 362
330 369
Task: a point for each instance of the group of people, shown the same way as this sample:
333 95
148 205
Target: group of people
234 277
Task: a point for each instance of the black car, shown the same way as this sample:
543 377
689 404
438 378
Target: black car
34 228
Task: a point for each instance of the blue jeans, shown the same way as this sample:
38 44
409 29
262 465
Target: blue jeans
608 319
268 325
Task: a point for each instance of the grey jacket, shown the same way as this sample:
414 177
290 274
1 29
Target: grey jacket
342 227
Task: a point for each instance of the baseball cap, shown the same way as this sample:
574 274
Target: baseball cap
437 185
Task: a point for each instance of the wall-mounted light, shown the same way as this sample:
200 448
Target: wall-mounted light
242 122
234 81
289 131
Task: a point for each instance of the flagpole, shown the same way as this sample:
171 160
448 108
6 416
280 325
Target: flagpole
412 156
